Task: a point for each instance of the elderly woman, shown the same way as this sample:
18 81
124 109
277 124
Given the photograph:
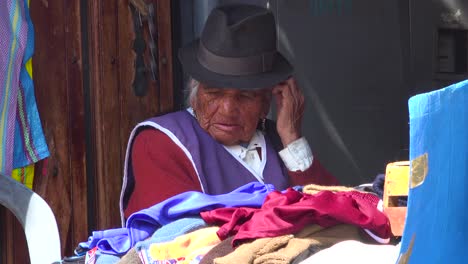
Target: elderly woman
224 140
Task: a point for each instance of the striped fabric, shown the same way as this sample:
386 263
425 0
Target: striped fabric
30 145
21 138
25 175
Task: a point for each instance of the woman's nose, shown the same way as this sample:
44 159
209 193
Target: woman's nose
230 105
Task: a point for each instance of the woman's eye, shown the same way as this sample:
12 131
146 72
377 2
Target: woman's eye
214 93
248 95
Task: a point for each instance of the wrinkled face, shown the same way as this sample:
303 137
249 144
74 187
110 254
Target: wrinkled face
230 116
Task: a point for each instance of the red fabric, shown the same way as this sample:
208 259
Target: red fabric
289 212
161 170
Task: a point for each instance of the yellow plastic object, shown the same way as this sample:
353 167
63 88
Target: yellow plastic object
396 186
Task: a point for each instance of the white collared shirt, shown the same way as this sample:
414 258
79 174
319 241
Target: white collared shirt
297 156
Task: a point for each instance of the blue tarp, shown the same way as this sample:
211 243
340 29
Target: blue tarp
436 228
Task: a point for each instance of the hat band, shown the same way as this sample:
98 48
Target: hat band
235 66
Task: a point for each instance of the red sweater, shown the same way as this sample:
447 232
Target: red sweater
161 170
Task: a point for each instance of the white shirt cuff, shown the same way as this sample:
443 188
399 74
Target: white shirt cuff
297 156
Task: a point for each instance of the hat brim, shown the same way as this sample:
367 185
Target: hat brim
281 70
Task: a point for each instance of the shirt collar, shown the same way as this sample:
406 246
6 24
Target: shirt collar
241 151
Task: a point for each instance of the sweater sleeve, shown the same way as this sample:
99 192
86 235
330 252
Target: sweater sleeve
161 170
315 174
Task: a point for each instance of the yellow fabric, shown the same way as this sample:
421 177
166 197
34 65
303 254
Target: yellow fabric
24 175
314 188
29 68
188 246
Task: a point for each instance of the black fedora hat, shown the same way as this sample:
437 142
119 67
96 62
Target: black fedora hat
236 49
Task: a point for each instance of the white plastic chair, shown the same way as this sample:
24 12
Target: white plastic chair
37 219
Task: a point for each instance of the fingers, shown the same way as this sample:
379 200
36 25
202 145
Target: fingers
289 100
292 96
283 89
279 94
290 110
288 88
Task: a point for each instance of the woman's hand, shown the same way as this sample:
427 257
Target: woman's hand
290 110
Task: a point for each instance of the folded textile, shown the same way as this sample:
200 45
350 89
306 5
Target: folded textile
130 258
284 249
288 212
310 237
305 254
220 250
172 230
143 224
247 253
184 249
106 259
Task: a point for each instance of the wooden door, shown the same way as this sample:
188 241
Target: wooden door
84 75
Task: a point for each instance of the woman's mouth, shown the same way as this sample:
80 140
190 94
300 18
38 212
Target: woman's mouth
227 127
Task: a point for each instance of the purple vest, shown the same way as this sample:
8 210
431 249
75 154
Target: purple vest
218 171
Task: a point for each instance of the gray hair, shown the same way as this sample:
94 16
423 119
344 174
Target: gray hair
192 90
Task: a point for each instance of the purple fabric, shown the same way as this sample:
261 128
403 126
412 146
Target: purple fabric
143 224
218 170
13 41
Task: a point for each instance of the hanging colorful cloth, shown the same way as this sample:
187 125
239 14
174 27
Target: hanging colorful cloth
22 140
25 175
30 145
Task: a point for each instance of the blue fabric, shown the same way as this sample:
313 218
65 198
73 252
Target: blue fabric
437 209
172 230
29 143
143 224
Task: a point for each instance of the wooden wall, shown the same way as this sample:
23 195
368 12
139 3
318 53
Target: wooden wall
84 70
